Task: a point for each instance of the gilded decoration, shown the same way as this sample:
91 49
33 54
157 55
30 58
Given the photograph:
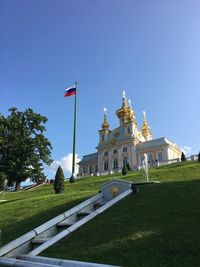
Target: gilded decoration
114 191
145 127
113 141
105 125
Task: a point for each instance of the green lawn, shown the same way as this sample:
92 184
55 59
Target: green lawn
157 227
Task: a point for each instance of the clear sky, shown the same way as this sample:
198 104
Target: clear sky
149 48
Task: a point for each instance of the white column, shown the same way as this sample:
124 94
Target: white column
120 158
109 160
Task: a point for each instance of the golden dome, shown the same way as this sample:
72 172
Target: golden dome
124 110
145 128
105 125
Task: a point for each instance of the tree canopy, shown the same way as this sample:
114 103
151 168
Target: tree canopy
23 147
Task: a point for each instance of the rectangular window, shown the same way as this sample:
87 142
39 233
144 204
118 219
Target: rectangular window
160 156
150 158
84 170
141 160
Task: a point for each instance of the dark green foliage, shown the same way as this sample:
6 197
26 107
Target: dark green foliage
59 181
199 157
2 181
128 167
124 170
72 179
23 147
183 158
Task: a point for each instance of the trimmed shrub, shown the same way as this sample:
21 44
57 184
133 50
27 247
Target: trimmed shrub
59 181
128 167
183 158
124 170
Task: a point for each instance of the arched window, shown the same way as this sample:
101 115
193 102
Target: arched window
125 161
102 137
106 153
115 164
150 158
115 151
125 149
105 165
129 130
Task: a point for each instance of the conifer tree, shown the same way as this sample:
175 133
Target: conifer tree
183 158
199 157
59 181
124 170
128 167
2 180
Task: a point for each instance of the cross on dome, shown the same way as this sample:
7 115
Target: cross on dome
124 93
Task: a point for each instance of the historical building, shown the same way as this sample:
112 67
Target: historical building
127 144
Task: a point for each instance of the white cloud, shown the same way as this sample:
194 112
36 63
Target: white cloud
186 150
65 163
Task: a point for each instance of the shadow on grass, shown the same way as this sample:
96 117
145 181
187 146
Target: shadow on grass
9 201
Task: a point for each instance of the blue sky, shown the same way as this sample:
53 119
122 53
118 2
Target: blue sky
149 48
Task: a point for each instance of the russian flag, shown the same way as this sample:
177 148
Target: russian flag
70 91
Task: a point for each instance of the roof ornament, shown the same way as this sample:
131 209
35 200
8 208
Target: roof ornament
105 124
124 94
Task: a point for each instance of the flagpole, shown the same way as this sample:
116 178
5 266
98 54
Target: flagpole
72 179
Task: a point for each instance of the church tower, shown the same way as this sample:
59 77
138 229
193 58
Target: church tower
146 129
127 120
103 133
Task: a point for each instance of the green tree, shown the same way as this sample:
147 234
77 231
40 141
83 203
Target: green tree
23 146
2 180
59 181
128 166
183 158
72 179
199 157
124 170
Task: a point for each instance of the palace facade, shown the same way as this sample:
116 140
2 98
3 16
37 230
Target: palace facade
126 144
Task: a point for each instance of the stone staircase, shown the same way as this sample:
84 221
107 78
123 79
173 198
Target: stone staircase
47 234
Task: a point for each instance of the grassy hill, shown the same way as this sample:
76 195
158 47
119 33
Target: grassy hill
157 227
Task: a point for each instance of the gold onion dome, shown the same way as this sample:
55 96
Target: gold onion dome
145 127
124 110
105 124
131 114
